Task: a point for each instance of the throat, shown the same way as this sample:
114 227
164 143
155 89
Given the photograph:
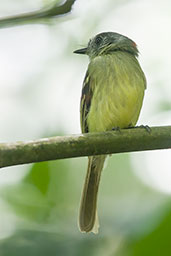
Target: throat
131 50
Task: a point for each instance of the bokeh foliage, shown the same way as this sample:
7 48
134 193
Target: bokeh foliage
135 220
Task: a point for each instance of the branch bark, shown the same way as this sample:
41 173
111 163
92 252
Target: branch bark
60 147
31 17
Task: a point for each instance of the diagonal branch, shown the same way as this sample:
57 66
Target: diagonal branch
60 147
49 12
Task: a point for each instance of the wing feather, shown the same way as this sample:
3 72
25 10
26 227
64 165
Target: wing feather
85 103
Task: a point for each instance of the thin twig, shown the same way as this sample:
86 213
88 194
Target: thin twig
31 17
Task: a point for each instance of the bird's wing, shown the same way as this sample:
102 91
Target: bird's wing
85 103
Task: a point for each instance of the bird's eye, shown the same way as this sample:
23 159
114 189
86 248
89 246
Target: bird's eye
98 40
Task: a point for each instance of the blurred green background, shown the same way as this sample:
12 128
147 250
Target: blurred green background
40 87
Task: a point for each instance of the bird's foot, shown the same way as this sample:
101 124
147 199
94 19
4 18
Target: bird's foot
146 127
117 128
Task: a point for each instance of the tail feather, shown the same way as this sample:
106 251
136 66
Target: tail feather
88 219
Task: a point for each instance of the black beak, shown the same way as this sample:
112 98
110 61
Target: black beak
81 51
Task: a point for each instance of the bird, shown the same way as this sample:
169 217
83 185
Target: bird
112 96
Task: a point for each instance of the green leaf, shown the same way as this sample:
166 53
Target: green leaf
39 176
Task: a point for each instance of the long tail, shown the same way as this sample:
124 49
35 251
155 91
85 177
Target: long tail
88 219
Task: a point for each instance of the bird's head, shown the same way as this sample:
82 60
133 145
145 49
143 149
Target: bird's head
107 43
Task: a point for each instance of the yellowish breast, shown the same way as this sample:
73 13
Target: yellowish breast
118 91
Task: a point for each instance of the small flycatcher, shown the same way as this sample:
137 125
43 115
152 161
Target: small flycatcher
112 96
